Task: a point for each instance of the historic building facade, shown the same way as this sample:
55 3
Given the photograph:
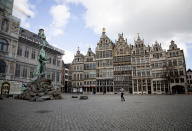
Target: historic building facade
104 64
65 80
19 49
141 78
9 35
78 72
158 62
122 65
89 72
176 69
138 68
189 79
26 60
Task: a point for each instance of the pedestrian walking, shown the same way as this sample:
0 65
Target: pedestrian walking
122 93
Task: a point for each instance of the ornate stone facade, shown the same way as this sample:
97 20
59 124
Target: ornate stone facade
8 46
26 60
65 80
138 68
189 79
84 72
89 72
176 69
122 65
104 64
78 72
19 49
141 78
158 72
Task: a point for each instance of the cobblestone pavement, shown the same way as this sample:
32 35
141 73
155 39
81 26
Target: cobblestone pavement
99 113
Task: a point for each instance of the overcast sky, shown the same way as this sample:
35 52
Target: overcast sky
72 23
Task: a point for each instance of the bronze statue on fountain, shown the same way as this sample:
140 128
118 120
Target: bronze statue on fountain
42 59
40 88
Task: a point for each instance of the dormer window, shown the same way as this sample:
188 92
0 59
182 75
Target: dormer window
174 54
121 51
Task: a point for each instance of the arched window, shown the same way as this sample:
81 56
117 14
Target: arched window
3 45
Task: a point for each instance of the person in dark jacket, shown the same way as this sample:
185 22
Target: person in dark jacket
122 93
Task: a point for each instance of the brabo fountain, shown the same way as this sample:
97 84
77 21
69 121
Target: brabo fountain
40 88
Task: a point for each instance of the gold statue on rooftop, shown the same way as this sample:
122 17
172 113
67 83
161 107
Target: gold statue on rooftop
103 30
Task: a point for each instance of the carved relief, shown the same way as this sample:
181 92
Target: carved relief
15 27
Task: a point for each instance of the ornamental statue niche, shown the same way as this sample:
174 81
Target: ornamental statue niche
5 25
42 59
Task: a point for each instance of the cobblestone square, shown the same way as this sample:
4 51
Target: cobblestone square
98 113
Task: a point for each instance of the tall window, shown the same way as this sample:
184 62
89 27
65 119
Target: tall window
2 66
58 63
53 76
74 77
121 51
31 72
19 51
25 72
26 52
181 72
3 45
33 54
57 76
49 60
81 77
17 71
48 76
54 61
77 76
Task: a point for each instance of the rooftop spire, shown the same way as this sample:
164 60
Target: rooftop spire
138 38
156 42
172 42
78 49
89 49
103 30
